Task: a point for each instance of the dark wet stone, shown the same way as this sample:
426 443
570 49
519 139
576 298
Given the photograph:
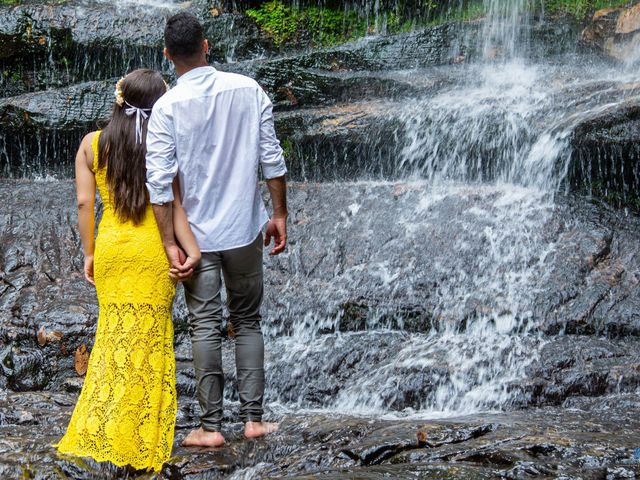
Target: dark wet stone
581 366
44 46
596 439
41 132
606 155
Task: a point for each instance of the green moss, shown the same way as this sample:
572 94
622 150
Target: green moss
324 26
470 11
287 147
613 197
580 9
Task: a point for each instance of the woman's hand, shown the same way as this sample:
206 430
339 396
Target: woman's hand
88 269
181 268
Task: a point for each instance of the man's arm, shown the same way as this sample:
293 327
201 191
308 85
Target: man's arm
161 169
274 170
277 226
164 219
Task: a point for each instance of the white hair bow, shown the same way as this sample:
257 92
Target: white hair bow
141 115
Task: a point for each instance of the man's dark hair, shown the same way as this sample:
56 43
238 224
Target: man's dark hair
183 36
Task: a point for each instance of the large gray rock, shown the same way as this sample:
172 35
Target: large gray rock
50 45
40 132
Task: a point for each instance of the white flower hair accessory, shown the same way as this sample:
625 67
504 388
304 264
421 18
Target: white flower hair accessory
118 93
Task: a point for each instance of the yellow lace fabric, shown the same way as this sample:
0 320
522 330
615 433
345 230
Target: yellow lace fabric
127 408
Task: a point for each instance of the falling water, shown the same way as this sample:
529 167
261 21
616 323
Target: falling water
488 155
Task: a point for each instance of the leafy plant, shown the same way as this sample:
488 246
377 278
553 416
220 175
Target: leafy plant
580 9
324 26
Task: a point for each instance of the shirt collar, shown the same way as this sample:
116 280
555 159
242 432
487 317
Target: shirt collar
195 72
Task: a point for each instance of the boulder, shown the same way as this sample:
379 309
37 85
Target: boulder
51 45
40 131
615 32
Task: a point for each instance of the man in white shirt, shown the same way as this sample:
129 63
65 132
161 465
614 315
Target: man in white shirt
214 130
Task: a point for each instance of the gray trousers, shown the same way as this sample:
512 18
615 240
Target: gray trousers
242 271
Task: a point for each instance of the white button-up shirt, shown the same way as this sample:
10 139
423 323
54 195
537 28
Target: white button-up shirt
214 129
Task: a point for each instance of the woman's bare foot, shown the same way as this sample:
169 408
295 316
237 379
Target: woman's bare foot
202 438
259 429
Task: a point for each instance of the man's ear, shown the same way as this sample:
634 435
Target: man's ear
167 55
205 46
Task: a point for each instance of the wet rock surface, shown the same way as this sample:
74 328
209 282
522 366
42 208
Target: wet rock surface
336 307
52 45
591 439
606 150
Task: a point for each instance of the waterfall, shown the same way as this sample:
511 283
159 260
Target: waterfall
505 28
489 154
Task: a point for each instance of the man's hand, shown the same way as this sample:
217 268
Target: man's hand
276 229
88 269
180 266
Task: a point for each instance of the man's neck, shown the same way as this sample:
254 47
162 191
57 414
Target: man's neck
182 68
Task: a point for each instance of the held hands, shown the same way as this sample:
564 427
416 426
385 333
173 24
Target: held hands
180 265
276 229
88 269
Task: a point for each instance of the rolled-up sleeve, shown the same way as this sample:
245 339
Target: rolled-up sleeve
271 156
162 165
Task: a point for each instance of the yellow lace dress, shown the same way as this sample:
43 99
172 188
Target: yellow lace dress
127 408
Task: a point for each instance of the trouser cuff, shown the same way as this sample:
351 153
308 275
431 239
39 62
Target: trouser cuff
211 427
251 418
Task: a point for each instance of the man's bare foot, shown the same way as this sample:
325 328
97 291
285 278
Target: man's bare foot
259 429
202 438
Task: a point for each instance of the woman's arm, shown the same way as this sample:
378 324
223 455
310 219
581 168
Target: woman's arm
181 227
86 197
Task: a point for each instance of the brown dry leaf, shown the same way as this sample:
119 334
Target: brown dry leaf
81 359
42 41
54 337
42 336
230 331
422 437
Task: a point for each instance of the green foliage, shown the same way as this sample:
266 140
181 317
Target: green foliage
325 26
9 2
287 147
580 9
469 11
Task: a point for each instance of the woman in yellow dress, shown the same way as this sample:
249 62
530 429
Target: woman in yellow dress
127 408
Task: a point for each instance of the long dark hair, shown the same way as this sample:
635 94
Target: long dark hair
121 152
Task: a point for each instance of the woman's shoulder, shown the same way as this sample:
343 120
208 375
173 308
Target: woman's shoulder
90 137
90 148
